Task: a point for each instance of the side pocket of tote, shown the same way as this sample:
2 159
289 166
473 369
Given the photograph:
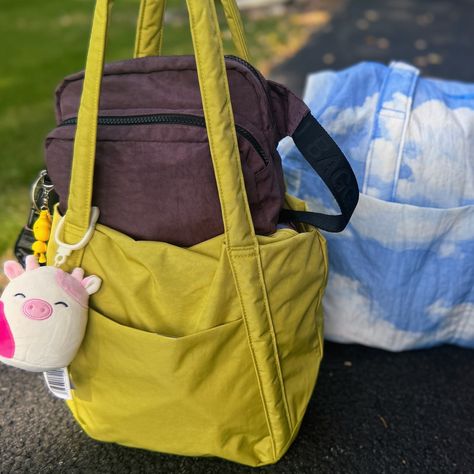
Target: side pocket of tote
190 395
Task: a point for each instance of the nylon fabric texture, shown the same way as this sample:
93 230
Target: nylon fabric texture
173 369
210 350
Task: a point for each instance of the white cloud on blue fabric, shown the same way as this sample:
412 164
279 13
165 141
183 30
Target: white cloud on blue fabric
440 145
402 274
365 327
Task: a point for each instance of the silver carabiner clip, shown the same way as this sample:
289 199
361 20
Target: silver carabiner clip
40 189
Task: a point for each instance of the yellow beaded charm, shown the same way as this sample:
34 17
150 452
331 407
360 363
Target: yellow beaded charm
42 232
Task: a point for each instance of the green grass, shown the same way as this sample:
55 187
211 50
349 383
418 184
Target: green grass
43 41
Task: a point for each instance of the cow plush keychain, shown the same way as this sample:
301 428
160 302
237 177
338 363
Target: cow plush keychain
44 310
43 315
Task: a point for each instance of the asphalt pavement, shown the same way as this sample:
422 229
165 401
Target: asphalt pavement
437 36
372 412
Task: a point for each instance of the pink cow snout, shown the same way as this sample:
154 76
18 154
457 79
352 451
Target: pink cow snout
37 309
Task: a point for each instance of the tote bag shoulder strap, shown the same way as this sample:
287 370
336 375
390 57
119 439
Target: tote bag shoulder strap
242 247
149 37
239 231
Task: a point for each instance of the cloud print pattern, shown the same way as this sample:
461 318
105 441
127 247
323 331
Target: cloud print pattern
402 274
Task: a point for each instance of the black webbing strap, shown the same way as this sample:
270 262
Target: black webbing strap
326 158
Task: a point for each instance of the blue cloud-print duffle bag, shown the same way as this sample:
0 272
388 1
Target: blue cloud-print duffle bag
402 274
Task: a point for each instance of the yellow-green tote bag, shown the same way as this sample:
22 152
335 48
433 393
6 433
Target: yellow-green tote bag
211 350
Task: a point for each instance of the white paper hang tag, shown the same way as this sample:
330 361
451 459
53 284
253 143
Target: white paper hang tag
58 383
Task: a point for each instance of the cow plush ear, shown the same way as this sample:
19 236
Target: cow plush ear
78 274
91 284
31 263
12 269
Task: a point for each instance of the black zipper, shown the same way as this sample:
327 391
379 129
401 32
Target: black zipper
257 74
254 71
170 119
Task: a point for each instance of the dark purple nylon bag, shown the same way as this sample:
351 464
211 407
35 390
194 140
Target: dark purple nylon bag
153 174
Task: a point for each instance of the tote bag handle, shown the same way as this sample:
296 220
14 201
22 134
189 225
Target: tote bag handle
149 37
238 225
241 245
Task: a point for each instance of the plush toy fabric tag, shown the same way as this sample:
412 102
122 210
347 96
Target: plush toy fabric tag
58 383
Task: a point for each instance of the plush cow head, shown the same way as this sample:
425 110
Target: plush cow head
43 315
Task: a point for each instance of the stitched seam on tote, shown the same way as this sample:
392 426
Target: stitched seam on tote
297 426
254 359
211 139
274 339
401 149
244 313
323 244
370 154
244 255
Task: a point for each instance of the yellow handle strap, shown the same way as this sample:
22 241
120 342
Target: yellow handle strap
149 38
218 114
236 27
82 172
242 246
